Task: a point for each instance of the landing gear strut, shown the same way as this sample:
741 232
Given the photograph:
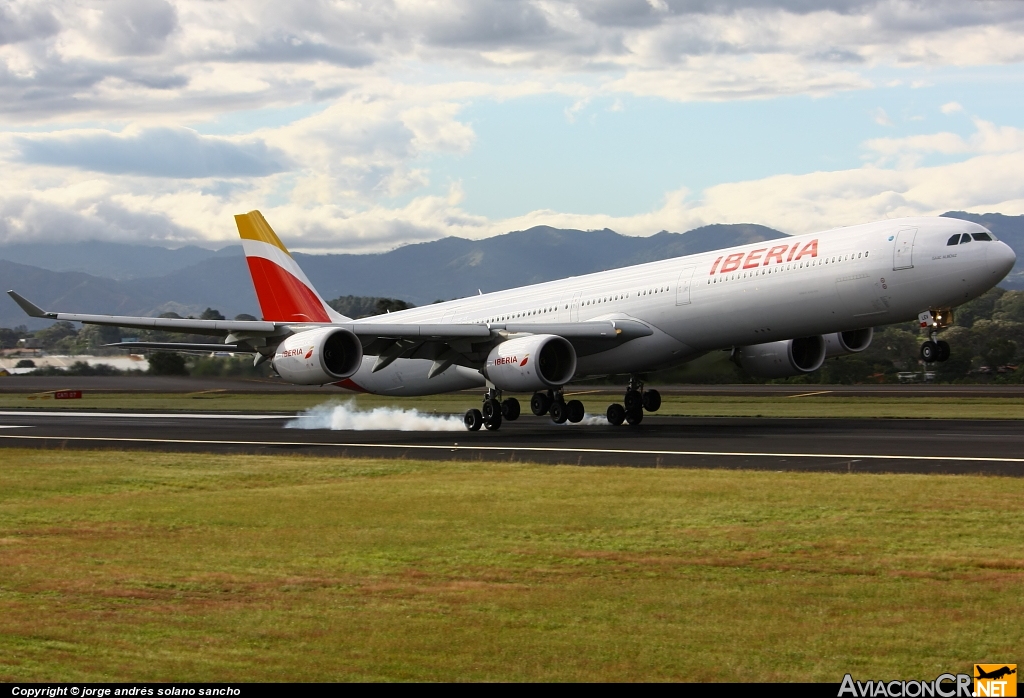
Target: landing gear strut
492 412
934 321
553 402
636 401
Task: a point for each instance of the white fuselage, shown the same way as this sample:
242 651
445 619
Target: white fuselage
842 279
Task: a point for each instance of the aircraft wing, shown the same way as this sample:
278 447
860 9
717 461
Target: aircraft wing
189 325
405 340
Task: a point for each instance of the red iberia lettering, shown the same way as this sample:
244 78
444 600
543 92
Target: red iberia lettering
810 248
732 262
502 360
753 258
715 266
775 252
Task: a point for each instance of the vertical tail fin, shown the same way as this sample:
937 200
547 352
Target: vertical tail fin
284 292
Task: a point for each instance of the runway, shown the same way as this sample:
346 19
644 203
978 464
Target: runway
174 384
836 445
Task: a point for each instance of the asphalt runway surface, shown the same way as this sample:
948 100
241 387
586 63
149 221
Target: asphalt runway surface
173 384
837 445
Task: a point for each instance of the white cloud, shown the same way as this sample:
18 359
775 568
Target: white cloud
389 81
881 118
951 108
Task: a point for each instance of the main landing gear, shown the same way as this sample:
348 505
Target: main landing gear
636 401
492 412
553 402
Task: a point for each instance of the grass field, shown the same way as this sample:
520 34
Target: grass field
596 401
153 566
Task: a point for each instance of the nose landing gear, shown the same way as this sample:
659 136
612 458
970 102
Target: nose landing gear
934 321
636 401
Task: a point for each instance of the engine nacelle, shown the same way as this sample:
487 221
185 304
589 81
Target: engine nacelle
315 357
850 342
790 357
537 362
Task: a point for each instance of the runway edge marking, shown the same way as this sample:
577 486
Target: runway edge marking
531 449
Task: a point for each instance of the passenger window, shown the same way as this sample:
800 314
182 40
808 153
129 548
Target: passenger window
981 236
965 239
953 240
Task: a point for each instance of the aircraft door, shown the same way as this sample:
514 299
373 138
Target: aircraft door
683 285
574 307
903 252
449 316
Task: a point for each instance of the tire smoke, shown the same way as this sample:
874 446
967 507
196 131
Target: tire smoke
346 417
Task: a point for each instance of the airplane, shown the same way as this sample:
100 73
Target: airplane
781 307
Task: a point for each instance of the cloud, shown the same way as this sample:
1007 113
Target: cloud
950 108
153 152
24 22
881 118
908 150
136 27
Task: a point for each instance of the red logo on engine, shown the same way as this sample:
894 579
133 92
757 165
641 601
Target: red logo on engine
525 359
309 353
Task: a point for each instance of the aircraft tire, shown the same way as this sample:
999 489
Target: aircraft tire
491 407
634 417
510 409
652 400
616 414
494 423
633 400
473 419
929 352
558 412
540 403
575 411
943 350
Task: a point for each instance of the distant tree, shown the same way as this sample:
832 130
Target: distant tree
365 306
171 314
50 336
166 363
390 305
25 363
211 314
245 316
9 338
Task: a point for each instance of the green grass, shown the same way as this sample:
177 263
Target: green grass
156 566
833 405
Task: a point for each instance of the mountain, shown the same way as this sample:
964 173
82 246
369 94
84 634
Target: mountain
1009 229
222 283
422 273
111 260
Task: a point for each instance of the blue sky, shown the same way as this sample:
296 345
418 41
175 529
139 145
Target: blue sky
366 125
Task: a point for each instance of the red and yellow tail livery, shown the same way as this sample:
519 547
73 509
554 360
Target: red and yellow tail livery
283 291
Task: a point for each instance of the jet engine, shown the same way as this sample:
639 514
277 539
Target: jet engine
848 342
537 362
790 357
315 357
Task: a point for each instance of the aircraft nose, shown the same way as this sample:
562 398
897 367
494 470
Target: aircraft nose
1002 258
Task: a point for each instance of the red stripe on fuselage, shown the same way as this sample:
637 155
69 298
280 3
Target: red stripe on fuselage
349 384
283 297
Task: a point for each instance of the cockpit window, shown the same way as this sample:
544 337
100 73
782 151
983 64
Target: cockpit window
953 240
981 236
965 239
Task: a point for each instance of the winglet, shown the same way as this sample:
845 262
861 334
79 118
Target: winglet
29 307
